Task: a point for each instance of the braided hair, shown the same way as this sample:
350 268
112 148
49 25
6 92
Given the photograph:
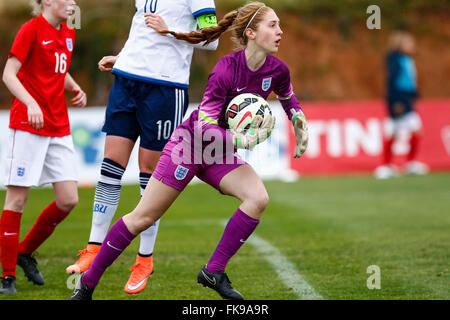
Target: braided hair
236 21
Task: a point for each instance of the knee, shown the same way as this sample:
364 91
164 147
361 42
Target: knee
259 200
146 223
16 204
139 222
148 160
262 201
67 203
147 167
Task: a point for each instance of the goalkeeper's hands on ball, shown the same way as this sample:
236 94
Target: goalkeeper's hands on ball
301 132
258 132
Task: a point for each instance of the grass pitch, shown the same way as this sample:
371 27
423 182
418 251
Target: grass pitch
332 229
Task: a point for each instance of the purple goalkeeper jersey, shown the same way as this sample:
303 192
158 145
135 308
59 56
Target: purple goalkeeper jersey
184 156
231 76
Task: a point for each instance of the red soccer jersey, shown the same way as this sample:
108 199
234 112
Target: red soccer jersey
45 53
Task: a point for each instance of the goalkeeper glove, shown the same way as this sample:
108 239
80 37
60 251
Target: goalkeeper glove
301 132
259 131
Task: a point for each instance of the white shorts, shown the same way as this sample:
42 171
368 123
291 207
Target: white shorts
33 160
409 122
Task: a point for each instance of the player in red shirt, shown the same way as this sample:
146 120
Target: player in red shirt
40 148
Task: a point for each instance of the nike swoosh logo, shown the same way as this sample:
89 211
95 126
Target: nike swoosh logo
211 281
131 287
109 244
10 234
247 114
242 240
240 89
46 42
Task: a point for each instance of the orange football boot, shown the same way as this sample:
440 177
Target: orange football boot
140 272
86 257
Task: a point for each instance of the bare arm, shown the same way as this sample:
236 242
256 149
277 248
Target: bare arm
12 82
80 98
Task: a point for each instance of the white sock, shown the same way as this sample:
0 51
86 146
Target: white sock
107 194
148 237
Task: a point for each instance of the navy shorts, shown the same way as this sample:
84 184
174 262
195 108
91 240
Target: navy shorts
146 110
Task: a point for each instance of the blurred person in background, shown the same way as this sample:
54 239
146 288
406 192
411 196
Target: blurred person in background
400 100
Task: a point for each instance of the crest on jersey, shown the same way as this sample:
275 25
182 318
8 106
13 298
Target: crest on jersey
181 172
20 172
69 44
266 83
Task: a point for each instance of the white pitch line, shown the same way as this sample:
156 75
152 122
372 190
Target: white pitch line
285 269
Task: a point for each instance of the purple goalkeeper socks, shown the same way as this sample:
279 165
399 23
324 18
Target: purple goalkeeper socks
117 239
239 228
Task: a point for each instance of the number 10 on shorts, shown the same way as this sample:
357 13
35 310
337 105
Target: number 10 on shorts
164 129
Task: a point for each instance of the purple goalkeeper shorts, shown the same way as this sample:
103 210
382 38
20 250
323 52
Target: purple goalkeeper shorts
177 171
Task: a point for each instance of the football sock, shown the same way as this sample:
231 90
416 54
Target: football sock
143 181
106 199
148 237
413 146
44 226
238 229
9 241
116 241
387 150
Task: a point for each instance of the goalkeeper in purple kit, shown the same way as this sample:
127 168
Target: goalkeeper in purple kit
256 29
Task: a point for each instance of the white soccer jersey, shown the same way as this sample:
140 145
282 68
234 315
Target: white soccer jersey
149 56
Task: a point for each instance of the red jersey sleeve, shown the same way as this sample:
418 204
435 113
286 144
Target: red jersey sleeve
23 42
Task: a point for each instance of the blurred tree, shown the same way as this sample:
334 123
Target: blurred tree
331 53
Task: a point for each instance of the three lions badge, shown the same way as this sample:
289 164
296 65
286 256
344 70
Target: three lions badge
266 83
69 43
181 172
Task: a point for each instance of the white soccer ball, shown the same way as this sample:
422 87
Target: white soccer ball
242 110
